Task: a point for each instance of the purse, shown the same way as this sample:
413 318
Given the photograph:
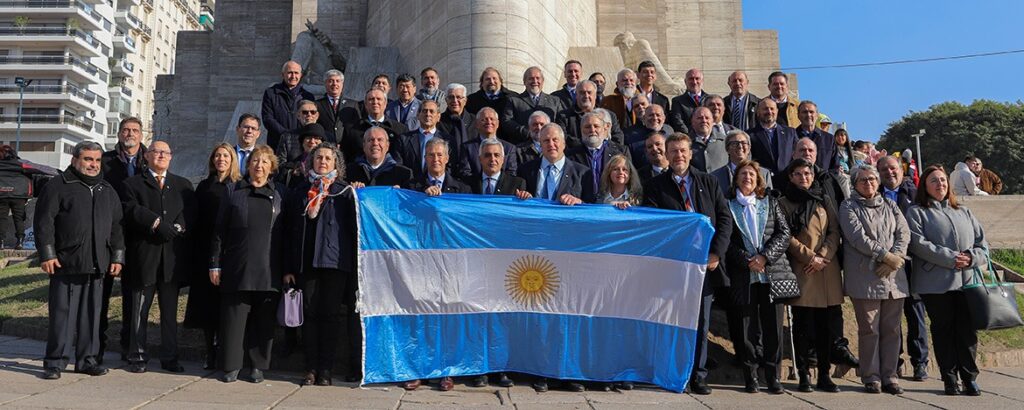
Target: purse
991 305
289 310
781 289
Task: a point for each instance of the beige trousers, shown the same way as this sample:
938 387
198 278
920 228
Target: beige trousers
878 334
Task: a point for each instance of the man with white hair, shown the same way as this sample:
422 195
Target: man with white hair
621 102
684 104
335 110
456 121
486 127
515 119
708 148
529 151
596 150
569 119
555 177
280 101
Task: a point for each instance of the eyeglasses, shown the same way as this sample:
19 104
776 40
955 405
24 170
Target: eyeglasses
160 153
867 179
308 112
735 143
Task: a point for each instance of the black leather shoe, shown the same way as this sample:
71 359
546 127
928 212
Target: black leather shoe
540 385
505 381
210 362
256 376
479 381
873 387
845 357
825 383
137 367
93 370
20 245
604 387
229 377
323 378
892 388
775 386
308 379
750 385
575 387
700 386
805 383
920 373
353 378
172 366
51 373
971 388
950 387
626 386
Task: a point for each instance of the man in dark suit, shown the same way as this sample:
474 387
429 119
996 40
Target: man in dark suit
455 121
335 110
411 150
529 151
569 119
515 119
684 104
159 210
647 75
901 190
486 127
374 104
596 150
737 145
825 142
554 176
828 180
436 180
376 167
687 189
635 136
403 110
771 143
573 72
740 105
281 100
492 93
654 150
491 181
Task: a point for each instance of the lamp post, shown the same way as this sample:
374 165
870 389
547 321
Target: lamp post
22 84
917 139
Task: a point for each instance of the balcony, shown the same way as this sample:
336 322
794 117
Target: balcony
82 42
194 18
83 13
119 108
75 96
148 4
122 90
147 33
121 67
125 43
79 70
80 126
127 19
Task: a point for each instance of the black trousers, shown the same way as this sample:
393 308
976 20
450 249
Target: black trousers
16 208
142 301
126 315
953 335
74 309
762 332
700 351
814 332
247 323
323 293
917 333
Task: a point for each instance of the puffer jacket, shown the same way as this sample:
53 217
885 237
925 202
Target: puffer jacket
871 227
775 242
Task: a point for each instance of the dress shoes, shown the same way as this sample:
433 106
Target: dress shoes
971 388
920 373
892 388
256 376
700 386
447 384
51 373
309 379
137 367
626 386
825 383
172 366
540 385
353 378
775 386
210 362
844 356
479 381
323 378
93 370
412 384
229 377
950 387
575 387
505 381
873 387
805 383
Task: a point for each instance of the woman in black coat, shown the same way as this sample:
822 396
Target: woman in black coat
203 298
756 257
245 262
321 219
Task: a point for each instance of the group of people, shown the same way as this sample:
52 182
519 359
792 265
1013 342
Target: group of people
788 204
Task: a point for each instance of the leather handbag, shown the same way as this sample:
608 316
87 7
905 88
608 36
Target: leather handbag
782 289
289 310
992 305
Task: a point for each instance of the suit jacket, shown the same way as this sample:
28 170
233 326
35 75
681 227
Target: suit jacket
334 120
516 117
657 98
636 137
478 100
647 172
724 176
395 174
115 171
581 155
682 111
409 152
152 252
567 100
826 145
570 122
352 143
451 185
470 154
711 155
525 152
507 184
394 112
749 119
707 199
575 180
617 105
774 158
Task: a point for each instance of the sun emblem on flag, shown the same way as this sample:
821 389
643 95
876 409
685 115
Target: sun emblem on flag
532 280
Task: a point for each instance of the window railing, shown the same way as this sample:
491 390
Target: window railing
78 122
55 60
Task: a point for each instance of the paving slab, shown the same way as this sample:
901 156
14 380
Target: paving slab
730 396
526 395
342 397
1010 371
1002 384
240 393
120 389
550 406
460 396
642 396
21 379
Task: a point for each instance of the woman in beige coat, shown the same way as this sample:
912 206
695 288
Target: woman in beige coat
875 248
812 254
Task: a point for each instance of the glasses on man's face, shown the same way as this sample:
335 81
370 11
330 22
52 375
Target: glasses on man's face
308 112
160 153
738 144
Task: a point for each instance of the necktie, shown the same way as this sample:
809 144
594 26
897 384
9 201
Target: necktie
696 100
243 155
131 166
423 150
737 113
549 183
536 100
490 186
437 183
572 94
160 182
685 195
334 104
771 139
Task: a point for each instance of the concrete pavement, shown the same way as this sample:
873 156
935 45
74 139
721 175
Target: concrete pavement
21 387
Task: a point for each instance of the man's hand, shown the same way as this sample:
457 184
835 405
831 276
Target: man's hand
115 269
713 262
523 194
215 277
570 200
432 190
357 185
50 266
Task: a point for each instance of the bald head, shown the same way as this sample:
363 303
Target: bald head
806 149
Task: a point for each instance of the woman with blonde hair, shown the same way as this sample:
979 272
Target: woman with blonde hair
620 183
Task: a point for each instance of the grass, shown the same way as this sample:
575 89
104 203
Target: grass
1011 258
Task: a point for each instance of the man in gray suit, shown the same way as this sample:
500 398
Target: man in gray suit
708 148
516 117
405 108
737 145
553 176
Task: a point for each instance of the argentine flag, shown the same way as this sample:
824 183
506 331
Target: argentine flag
461 285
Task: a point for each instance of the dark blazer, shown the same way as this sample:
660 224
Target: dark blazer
567 100
706 198
408 151
392 174
327 242
115 171
352 144
506 185
451 185
905 194
657 98
152 252
774 158
750 110
250 259
826 146
570 122
478 100
334 121
78 225
515 120
278 110
394 112
647 172
470 155
525 153
682 110
575 180
581 155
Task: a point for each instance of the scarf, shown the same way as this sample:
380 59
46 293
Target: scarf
87 180
318 190
807 201
749 204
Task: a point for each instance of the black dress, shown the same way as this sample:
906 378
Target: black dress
203 297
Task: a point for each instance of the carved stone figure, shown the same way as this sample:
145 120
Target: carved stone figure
317 54
636 51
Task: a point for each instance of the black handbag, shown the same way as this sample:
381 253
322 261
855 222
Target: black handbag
992 305
782 289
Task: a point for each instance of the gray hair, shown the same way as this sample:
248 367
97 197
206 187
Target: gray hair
556 127
606 116
731 135
541 114
284 67
334 73
860 171
455 86
480 113
373 129
298 107
585 82
487 142
85 146
596 113
623 72
339 159
436 141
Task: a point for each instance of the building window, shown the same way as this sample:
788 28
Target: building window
37 146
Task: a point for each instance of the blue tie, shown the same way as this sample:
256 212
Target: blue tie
131 166
549 183
242 156
490 186
737 113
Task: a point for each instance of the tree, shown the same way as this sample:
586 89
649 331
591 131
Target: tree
990 130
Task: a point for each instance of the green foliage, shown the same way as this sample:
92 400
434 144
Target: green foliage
1010 258
992 131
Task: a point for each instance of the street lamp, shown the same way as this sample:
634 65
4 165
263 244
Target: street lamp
22 84
917 138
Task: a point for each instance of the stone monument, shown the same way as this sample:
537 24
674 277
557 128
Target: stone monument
221 74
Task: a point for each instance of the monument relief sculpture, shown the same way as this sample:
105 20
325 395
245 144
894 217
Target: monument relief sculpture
316 53
635 51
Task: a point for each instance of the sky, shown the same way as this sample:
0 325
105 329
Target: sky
868 99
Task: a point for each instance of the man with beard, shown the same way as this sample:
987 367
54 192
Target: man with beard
515 127
621 102
492 93
430 82
596 150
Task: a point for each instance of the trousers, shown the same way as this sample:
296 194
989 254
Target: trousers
74 309
247 322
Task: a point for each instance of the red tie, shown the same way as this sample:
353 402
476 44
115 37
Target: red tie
160 181
696 99
686 197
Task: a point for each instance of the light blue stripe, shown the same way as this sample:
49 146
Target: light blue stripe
394 219
408 347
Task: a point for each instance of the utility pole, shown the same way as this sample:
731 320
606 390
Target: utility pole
22 84
917 138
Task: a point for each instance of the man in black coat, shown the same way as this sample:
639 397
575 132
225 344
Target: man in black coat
79 238
159 209
492 93
491 180
654 152
771 143
807 111
455 121
555 177
515 125
740 105
702 195
586 101
374 104
127 159
596 150
684 104
376 167
529 151
411 149
486 127
573 73
335 110
281 100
